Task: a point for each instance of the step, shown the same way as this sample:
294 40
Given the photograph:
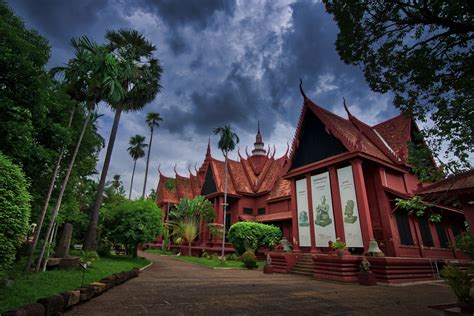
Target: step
302 273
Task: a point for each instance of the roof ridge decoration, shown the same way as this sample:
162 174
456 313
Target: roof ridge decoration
372 135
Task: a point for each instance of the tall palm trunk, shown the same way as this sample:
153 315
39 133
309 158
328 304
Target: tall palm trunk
90 242
39 226
131 184
225 206
61 192
147 162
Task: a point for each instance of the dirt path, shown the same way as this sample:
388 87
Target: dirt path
172 287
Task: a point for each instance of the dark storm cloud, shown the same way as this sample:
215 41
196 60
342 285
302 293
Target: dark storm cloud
234 101
195 13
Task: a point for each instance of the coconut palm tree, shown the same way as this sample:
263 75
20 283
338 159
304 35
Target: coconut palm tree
90 77
153 120
140 76
136 151
226 144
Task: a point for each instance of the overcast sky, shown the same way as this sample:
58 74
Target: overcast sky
225 62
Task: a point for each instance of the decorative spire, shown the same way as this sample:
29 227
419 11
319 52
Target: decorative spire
259 145
301 89
208 152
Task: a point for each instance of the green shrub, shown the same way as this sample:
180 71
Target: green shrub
460 282
466 244
14 211
104 248
250 236
204 254
249 259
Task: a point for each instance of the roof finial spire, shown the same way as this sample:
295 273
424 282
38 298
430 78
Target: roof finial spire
301 89
258 128
259 149
346 108
208 151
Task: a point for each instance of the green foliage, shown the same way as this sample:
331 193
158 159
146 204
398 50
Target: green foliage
170 184
131 222
35 111
466 244
185 229
197 207
250 236
460 281
249 259
417 206
137 147
422 52
228 139
338 244
14 211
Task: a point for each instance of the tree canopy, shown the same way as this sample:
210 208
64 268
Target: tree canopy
422 51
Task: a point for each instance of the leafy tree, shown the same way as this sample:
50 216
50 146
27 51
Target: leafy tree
90 76
140 75
227 142
422 51
249 236
153 120
136 151
117 184
131 223
14 211
197 207
152 195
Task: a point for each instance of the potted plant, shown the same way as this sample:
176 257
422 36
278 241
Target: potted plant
339 247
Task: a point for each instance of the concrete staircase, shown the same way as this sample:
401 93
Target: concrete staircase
304 266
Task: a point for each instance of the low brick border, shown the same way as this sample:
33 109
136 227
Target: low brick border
56 304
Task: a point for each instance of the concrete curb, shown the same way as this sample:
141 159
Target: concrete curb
147 266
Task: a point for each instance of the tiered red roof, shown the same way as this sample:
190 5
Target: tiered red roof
254 175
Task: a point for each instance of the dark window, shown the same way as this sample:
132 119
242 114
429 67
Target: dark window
248 211
261 211
425 232
443 238
404 229
456 230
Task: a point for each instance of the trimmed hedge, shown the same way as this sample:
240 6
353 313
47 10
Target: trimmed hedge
250 236
14 211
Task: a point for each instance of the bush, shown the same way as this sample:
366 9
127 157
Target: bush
249 259
14 211
250 236
104 248
131 223
460 282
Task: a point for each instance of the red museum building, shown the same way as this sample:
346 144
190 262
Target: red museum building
339 180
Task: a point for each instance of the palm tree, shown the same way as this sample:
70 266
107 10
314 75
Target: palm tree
226 144
136 151
90 77
186 229
153 120
140 76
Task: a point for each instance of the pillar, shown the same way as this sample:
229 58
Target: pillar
468 210
362 203
311 215
336 204
294 219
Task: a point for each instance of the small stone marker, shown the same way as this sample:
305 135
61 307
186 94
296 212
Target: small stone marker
62 249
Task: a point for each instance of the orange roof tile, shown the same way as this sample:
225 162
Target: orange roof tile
396 132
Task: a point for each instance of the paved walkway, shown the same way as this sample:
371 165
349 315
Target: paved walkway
172 287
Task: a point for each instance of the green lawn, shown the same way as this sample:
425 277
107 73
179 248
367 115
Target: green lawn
160 252
27 288
215 263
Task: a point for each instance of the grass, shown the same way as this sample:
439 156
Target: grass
216 263
29 287
160 252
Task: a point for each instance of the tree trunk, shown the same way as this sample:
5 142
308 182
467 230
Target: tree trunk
147 162
90 242
225 206
39 226
135 251
63 188
131 183
189 249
